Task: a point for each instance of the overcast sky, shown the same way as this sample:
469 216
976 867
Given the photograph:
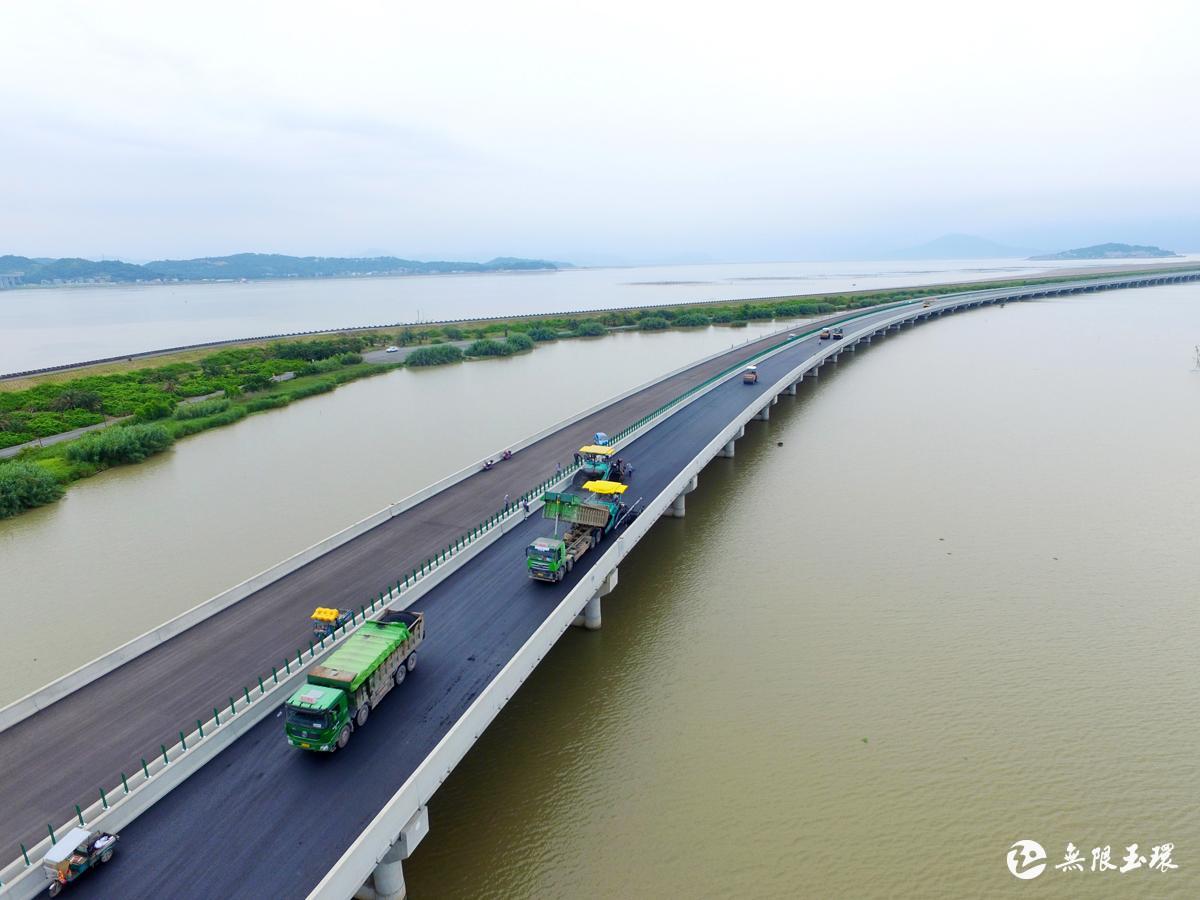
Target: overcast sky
594 132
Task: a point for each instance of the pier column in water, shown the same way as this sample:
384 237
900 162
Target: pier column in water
387 881
763 414
678 508
590 617
727 450
791 388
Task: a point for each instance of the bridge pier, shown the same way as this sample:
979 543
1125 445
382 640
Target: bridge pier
727 450
763 414
590 617
678 508
387 881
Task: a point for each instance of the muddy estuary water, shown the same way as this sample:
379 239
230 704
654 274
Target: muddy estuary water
955 609
136 546
945 600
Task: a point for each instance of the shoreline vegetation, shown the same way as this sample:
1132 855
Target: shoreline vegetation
193 391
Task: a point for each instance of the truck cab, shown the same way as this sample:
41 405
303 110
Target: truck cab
314 717
546 558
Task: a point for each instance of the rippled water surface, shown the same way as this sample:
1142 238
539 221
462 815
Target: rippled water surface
944 600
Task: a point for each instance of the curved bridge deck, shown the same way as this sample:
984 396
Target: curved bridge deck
265 820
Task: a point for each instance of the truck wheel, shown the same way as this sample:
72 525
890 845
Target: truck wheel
570 565
55 888
398 675
106 855
360 717
344 737
411 662
558 576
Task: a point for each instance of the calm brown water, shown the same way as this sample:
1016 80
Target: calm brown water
955 609
134 547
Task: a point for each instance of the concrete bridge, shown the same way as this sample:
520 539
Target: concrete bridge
124 743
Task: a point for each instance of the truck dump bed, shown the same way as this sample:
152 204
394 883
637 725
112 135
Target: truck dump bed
351 665
572 508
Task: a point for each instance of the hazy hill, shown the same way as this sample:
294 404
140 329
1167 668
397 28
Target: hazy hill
249 266
961 246
1112 251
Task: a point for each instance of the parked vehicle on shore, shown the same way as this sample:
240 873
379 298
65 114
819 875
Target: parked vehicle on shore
341 692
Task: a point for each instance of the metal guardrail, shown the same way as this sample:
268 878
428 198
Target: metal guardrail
14 880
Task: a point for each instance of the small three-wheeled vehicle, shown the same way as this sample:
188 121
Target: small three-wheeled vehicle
750 375
76 852
326 620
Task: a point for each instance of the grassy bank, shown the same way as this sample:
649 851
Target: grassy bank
40 475
208 389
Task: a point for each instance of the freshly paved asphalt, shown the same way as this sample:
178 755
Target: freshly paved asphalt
63 754
266 820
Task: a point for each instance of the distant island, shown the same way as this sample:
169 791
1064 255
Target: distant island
1112 251
22 271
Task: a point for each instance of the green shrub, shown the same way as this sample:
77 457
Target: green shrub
259 382
202 409
350 359
542 333
24 486
155 409
590 328
115 446
77 398
12 438
518 342
258 404
486 347
311 390
452 332
434 356
691 320
722 316
653 323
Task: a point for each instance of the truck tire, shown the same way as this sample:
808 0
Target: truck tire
106 855
360 717
570 565
398 675
344 737
558 576
55 888
411 662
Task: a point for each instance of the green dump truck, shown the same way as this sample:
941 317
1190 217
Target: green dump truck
589 519
341 692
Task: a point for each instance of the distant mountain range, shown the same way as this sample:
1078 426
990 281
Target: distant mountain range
18 271
1112 251
961 246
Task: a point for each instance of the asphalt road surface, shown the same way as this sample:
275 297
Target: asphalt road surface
63 754
266 820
